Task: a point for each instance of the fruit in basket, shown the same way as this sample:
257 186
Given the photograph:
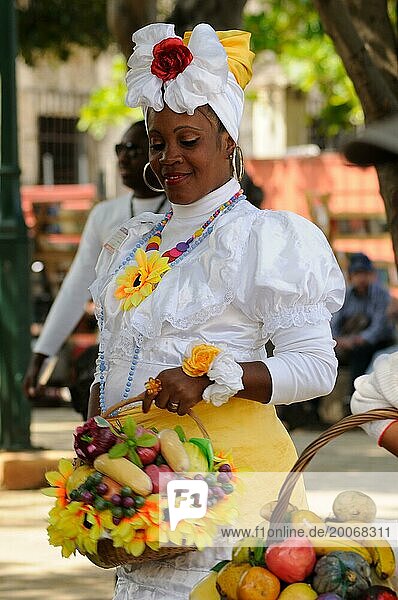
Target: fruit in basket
108 487
197 461
304 518
380 592
291 560
124 472
258 584
326 545
267 510
205 589
298 591
153 471
383 558
354 506
173 451
147 454
228 579
78 477
248 550
344 573
93 438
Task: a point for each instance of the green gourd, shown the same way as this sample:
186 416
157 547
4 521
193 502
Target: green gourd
344 573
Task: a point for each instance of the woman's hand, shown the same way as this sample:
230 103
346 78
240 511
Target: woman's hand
179 392
31 386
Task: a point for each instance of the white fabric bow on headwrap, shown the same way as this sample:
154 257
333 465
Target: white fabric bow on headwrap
165 71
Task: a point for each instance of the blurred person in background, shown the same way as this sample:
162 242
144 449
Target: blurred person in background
362 326
69 305
378 144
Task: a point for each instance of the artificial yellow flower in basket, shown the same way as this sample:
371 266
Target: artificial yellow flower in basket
110 504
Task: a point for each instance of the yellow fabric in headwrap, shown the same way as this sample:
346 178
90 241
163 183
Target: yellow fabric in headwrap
236 44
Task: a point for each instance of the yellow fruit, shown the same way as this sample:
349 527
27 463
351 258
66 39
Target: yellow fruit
206 589
125 472
298 591
354 506
243 551
173 451
267 509
227 581
383 558
324 545
259 584
78 477
305 519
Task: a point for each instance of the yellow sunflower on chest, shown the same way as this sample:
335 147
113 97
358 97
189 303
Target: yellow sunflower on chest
138 281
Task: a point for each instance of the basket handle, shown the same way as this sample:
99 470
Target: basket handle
140 398
345 424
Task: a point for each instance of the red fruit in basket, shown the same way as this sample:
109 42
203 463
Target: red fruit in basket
167 474
147 455
291 560
380 592
153 473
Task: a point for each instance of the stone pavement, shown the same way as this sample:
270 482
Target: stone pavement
32 570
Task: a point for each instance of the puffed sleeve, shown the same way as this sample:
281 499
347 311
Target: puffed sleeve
297 285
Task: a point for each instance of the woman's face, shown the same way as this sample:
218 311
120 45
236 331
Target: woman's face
188 154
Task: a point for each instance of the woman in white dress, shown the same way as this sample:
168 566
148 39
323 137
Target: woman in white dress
214 270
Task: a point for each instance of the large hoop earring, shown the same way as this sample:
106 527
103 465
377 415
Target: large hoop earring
237 163
146 181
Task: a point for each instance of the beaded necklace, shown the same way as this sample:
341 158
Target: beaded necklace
152 240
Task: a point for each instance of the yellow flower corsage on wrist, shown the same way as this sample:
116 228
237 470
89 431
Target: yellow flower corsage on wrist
198 359
220 367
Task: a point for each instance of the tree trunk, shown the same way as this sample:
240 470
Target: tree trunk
367 44
224 14
126 16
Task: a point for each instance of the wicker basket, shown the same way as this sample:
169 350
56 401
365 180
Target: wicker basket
107 555
345 424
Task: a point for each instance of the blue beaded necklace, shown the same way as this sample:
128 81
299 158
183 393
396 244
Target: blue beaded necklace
205 230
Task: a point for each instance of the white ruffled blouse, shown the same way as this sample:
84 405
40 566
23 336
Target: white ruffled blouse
260 275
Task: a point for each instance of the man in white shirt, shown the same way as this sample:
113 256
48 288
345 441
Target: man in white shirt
68 307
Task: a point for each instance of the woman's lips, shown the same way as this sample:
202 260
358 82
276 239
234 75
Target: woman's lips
175 178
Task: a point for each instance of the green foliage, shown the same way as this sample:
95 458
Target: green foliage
293 31
55 26
106 106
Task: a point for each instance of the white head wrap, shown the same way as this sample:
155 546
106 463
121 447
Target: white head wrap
206 79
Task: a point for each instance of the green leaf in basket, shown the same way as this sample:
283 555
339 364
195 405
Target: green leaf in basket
206 447
258 555
130 427
181 433
146 440
101 422
118 450
133 456
217 568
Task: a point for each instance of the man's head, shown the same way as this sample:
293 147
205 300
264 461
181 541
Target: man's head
361 272
132 155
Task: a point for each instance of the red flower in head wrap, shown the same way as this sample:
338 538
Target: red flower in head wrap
170 57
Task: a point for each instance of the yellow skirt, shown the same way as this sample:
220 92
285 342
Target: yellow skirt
254 435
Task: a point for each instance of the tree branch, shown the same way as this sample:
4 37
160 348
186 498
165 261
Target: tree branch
376 95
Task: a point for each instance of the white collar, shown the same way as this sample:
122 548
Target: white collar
208 203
